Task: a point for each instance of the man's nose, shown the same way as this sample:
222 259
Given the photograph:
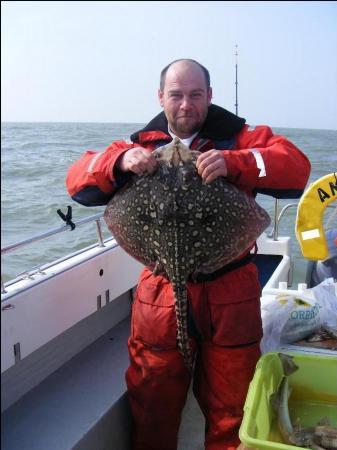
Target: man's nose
186 103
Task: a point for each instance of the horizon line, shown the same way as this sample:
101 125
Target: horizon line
143 123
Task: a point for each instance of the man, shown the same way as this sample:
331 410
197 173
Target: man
225 323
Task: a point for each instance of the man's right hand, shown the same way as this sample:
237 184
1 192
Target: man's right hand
138 160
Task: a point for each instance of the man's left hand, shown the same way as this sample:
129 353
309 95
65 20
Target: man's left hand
211 165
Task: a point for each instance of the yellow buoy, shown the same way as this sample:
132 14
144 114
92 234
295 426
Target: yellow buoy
309 221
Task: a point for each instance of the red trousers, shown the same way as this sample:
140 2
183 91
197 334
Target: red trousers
226 314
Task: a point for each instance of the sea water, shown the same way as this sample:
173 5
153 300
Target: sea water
35 158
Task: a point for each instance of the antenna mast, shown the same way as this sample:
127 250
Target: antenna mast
236 80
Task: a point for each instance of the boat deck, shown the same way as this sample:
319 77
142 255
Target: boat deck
83 405
82 399
67 409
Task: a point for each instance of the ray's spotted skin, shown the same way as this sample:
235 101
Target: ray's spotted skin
174 223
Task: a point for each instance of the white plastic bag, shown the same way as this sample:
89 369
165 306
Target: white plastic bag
288 318
325 294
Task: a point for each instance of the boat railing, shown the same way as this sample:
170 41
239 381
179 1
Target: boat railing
277 218
100 241
54 231
39 237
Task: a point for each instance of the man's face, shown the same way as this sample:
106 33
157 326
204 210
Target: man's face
185 98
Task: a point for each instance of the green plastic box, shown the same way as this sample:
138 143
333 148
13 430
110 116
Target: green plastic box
313 396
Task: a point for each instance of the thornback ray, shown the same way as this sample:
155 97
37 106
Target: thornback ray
178 226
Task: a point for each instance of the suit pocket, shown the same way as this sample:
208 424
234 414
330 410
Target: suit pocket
234 302
153 313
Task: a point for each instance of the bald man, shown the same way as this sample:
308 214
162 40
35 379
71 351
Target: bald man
224 307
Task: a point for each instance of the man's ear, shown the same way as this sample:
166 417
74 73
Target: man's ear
161 97
209 96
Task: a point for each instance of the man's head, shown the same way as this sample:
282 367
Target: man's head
185 94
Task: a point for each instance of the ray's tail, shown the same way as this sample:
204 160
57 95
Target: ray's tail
177 271
181 309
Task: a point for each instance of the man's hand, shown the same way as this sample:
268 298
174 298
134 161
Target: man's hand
137 160
211 165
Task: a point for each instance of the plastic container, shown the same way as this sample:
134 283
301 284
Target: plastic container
313 396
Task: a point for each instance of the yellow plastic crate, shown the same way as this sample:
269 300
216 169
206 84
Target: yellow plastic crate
313 396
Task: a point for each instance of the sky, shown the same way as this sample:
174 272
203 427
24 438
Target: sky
100 61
